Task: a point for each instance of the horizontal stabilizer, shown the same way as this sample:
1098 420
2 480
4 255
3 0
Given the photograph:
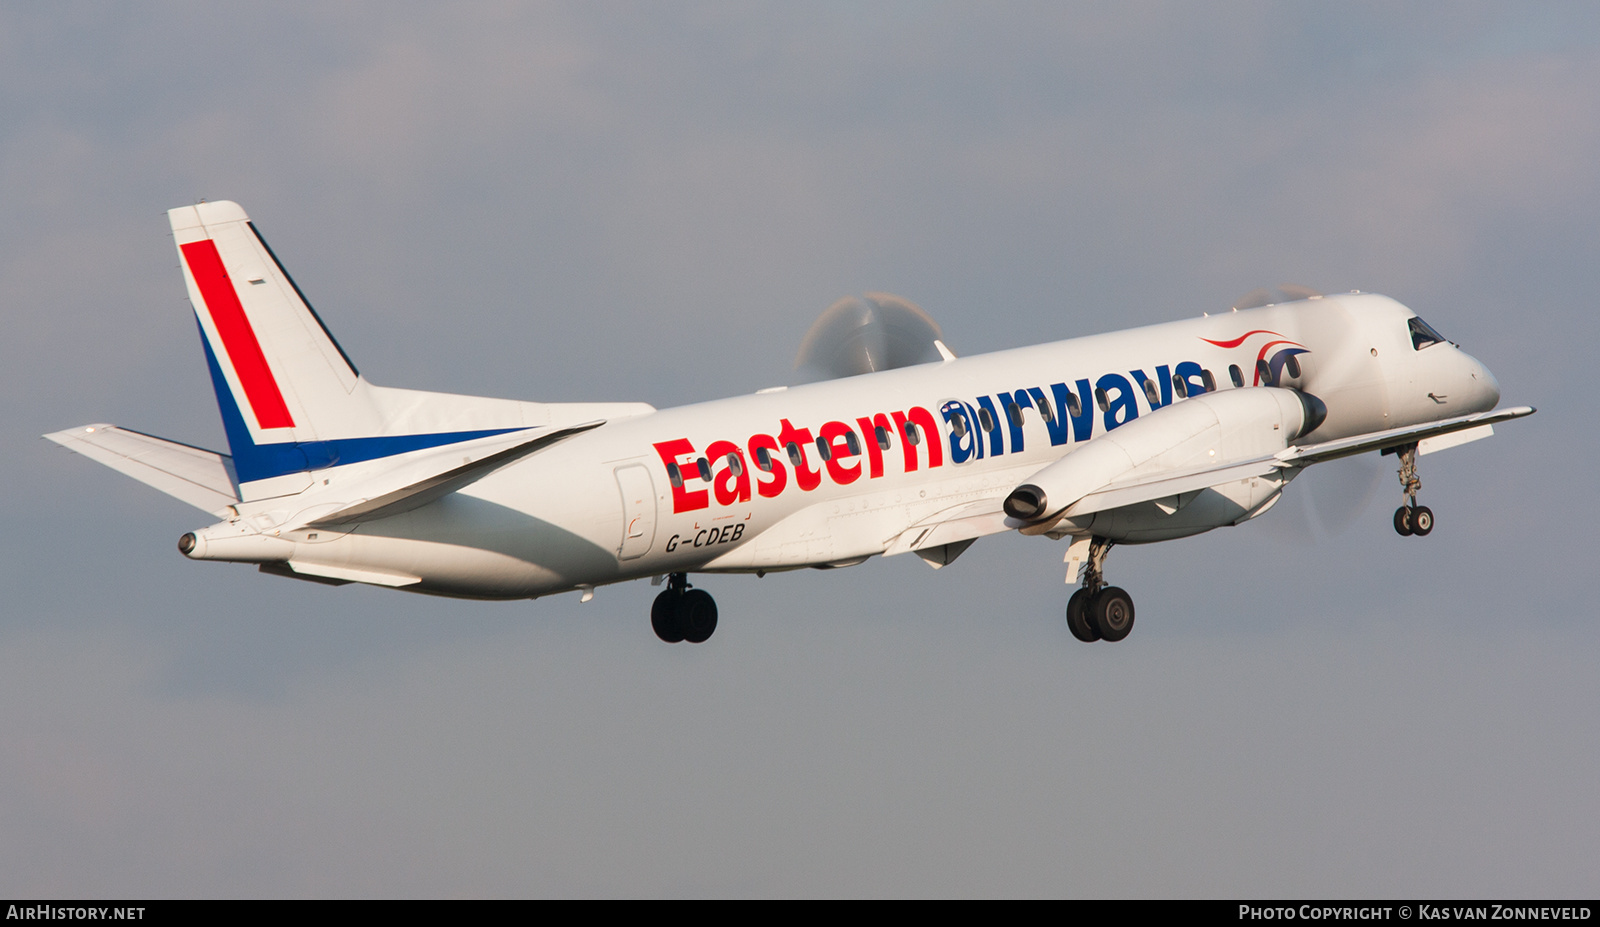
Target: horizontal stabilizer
421 492
202 478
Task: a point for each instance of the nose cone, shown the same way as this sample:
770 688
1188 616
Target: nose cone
1483 390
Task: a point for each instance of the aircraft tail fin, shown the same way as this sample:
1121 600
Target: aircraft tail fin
292 403
269 352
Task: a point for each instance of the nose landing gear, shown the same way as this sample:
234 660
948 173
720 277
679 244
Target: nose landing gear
682 613
1097 612
1411 518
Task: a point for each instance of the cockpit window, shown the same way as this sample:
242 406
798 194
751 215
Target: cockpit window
1423 335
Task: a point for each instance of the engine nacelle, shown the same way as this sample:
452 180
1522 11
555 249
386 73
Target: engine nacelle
1210 429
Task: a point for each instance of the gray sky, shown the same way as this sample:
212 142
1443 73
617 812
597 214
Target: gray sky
652 202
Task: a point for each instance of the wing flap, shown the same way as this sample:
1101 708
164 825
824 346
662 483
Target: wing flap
202 478
965 522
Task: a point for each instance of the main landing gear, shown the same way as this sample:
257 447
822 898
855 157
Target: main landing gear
1097 612
683 614
1411 518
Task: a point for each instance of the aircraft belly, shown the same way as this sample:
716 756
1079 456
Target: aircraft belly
850 528
489 544
449 569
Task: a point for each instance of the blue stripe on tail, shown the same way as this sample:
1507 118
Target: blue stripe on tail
252 461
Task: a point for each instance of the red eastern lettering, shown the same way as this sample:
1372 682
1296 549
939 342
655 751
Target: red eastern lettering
779 474
931 437
682 499
833 433
907 449
804 476
731 487
869 431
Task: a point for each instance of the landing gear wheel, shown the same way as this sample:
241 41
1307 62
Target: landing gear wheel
1402 521
1111 610
664 616
1421 521
1078 617
697 616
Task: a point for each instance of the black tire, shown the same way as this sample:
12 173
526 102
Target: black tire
1111 610
1402 521
1078 617
1421 521
697 616
664 617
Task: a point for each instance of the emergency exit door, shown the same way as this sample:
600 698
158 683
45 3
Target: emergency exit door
638 511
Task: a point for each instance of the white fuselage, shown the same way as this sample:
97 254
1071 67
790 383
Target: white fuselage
605 506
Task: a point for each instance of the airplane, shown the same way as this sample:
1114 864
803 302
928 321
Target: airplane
1128 437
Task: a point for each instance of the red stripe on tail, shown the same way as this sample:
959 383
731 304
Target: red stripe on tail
238 338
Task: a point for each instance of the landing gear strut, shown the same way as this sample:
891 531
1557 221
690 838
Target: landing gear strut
682 613
1411 518
1096 611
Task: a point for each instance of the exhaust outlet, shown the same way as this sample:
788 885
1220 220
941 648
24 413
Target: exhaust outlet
1025 502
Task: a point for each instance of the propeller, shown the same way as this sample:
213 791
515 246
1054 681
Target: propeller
1267 296
862 334
1327 499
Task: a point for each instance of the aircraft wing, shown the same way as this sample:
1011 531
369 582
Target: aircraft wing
202 478
1396 437
1157 487
438 485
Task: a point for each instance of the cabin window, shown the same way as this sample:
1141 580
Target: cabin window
1180 387
1263 370
674 476
1101 400
958 423
704 466
853 443
794 454
882 434
1236 375
736 465
1423 334
1074 407
1049 415
823 449
985 420
913 437
764 459
1209 380
1292 364
1151 394
1014 412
